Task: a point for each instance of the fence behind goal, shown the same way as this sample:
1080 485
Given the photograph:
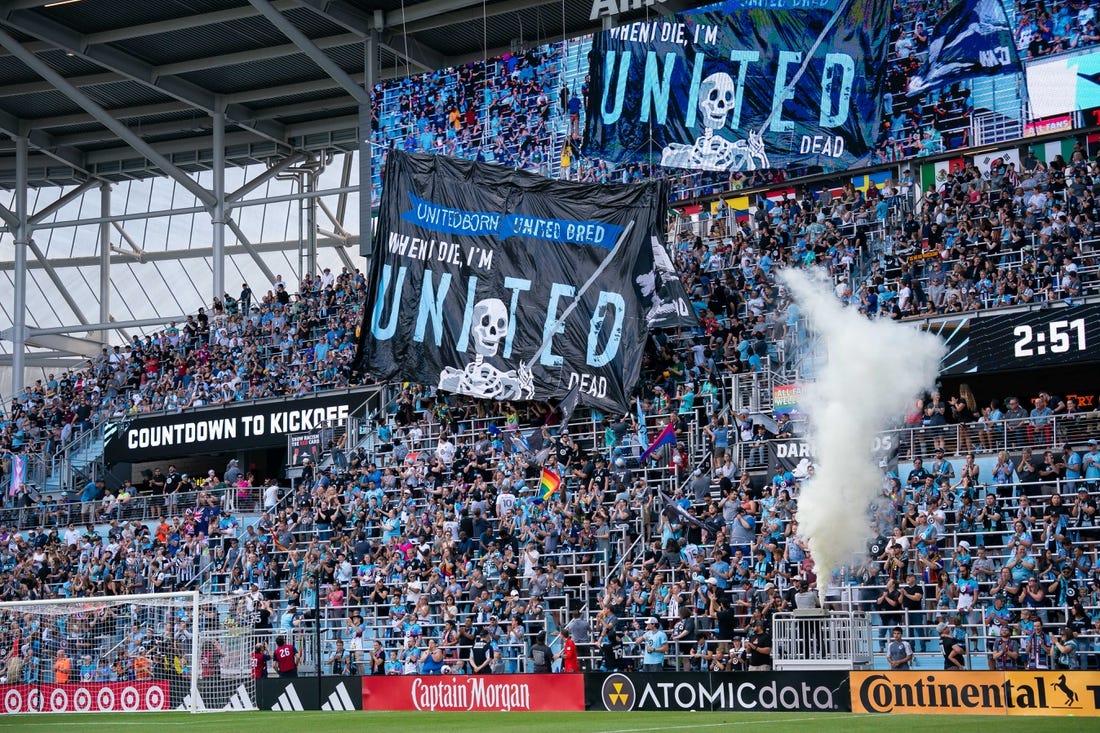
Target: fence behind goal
163 651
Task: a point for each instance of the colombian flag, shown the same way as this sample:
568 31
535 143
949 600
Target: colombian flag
548 485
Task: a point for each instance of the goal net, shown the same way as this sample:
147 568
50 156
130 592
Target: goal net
162 651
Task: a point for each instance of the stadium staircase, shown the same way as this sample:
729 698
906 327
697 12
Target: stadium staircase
70 467
998 109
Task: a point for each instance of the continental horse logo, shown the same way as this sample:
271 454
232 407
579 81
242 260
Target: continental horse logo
1062 686
618 693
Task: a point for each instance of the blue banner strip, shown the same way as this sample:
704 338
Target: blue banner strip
447 220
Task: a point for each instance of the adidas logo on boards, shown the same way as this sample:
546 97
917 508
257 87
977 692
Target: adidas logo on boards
289 700
186 704
240 700
339 699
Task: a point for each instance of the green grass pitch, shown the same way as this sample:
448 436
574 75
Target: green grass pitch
593 722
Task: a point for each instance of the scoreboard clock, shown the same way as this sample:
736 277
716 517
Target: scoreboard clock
1049 337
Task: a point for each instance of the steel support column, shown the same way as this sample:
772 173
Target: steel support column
217 213
309 185
21 237
366 167
105 256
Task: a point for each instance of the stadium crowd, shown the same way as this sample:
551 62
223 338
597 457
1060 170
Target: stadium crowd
1043 29
432 533
501 112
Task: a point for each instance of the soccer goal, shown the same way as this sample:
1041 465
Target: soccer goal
159 651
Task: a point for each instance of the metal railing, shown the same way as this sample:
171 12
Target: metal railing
831 641
958 439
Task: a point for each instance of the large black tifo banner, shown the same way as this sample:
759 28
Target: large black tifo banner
501 284
222 430
719 691
741 85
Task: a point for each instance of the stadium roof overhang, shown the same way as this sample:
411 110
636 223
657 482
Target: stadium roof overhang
110 90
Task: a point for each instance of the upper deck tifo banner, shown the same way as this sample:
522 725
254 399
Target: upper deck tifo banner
741 85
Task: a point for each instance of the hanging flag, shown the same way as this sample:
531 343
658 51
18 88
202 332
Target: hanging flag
741 86
643 438
973 38
779 195
519 444
472 262
667 437
934 175
548 485
1047 152
877 180
18 475
569 403
988 161
676 511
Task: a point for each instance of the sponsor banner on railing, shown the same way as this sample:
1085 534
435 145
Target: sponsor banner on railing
733 691
977 693
232 428
792 455
478 693
89 697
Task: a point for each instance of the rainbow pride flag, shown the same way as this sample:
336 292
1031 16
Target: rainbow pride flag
666 437
548 485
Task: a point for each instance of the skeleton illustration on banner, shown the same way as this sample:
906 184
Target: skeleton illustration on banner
650 284
480 378
711 151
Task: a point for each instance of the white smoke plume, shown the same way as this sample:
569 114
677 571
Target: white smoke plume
866 379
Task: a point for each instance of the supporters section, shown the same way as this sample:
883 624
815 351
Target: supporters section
417 538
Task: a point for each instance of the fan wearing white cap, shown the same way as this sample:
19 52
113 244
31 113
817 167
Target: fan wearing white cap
655 644
1090 462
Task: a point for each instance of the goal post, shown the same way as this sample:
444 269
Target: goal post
133 653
